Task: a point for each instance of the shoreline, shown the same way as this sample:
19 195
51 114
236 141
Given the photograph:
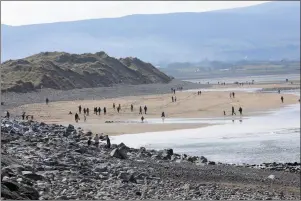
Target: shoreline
209 105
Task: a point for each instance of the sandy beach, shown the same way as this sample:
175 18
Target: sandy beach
188 105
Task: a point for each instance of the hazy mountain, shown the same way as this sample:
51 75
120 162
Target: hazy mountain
266 31
60 70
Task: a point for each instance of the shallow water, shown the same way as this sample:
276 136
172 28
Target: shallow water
272 137
257 79
249 90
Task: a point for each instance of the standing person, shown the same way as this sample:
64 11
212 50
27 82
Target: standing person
88 111
233 94
23 116
163 116
145 109
175 99
282 99
7 114
80 109
114 106
104 110
142 119
96 140
108 142
240 110
278 91
118 109
119 106
224 113
174 91
200 92
76 117
89 141
132 107
94 110
47 101
99 110
140 110
84 111
172 98
233 111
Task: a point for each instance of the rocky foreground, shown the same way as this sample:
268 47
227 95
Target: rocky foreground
41 161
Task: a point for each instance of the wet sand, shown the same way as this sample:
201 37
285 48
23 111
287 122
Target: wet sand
188 105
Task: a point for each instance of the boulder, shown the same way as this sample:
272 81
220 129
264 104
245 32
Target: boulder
32 176
125 177
120 153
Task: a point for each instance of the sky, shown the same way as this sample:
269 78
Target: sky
36 12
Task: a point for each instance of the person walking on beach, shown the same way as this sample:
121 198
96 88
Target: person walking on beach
47 101
140 110
278 91
76 117
145 109
118 109
233 94
80 109
240 110
233 111
84 111
88 111
200 92
224 113
104 110
282 99
172 99
142 119
174 91
175 99
96 140
132 107
114 106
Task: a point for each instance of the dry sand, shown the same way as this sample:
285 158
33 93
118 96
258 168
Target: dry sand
188 105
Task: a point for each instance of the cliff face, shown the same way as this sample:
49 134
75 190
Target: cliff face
64 71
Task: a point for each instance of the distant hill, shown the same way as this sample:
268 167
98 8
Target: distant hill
60 70
262 32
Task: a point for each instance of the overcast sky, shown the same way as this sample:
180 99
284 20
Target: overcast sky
36 12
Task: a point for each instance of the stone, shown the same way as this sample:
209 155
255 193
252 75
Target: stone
33 176
101 167
125 177
203 159
120 153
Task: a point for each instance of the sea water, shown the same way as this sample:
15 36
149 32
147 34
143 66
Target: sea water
271 137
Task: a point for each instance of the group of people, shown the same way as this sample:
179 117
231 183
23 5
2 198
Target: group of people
173 99
97 138
199 92
232 95
233 111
